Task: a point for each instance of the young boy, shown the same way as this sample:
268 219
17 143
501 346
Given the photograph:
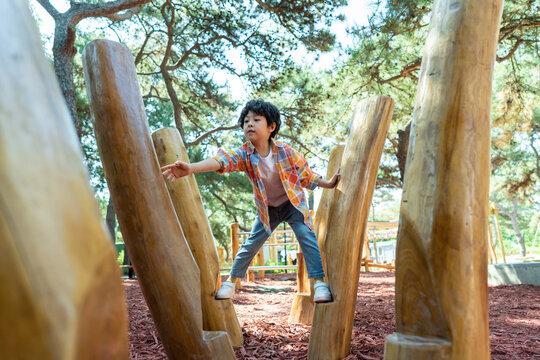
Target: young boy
278 174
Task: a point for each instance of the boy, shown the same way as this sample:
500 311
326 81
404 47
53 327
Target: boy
278 174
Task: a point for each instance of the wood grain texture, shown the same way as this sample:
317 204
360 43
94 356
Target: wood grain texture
303 305
235 246
217 314
346 225
163 262
441 277
60 291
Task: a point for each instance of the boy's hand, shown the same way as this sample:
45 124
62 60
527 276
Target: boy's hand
177 170
335 179
330 184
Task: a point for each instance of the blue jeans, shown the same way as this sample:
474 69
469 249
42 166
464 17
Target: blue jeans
306 238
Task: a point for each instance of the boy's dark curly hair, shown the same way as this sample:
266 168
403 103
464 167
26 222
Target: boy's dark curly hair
264 108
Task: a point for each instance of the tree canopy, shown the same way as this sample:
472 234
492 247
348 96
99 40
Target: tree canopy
198 61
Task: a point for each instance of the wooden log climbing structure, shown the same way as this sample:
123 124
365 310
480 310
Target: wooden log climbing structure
61 295
346 225
165 268
186 199
441 270
303 305
494 210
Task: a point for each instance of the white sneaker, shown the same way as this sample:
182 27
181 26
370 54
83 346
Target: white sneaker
225 291
322 292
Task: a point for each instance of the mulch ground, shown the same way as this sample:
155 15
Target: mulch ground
263 310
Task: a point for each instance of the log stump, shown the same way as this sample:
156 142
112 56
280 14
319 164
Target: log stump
165 268
346 225
441 268
303 305
217 314
61 293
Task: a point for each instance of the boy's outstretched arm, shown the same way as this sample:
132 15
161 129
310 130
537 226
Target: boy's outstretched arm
329 184
180 169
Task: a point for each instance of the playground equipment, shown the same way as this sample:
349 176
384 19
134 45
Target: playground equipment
379 230
186 199
165 268
60 291
303 305
494 210
346 225
441 283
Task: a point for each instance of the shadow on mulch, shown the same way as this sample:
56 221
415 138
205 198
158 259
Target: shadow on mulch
263 311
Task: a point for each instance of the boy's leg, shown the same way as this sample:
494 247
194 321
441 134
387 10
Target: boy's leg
246 253
307 240
249 249
312 255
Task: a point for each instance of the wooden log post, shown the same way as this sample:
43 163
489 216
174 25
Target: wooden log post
273 249
217 314
498 228
61 294
260 262
366 253
250 273
235 242
492 256
163 262
303 305
302 276
441 277
346 226
235 246
221 255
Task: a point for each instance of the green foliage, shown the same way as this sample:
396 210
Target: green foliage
186 51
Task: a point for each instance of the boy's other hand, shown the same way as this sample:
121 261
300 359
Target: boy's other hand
177 170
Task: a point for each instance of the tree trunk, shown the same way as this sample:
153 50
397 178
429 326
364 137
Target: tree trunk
513 216
110 219
403 146
441 270
61 295
165 267
63 54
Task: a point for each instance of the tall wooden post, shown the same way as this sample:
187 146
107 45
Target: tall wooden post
60 291
498 228
235 246
235 242
303 305
346 225
186 199
260 262
492 256
166 270
441 270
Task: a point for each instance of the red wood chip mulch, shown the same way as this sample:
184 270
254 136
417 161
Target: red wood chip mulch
263 310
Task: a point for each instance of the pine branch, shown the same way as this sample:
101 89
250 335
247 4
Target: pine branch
80 11
204 136
51 10
228 210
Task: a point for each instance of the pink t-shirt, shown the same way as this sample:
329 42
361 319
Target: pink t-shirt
272 182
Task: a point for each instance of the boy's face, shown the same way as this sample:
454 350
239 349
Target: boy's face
256 128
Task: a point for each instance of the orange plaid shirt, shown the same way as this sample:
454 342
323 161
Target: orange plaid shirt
293 170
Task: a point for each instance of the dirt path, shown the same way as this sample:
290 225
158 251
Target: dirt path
263 310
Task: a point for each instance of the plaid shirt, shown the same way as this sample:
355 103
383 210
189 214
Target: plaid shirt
293 170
